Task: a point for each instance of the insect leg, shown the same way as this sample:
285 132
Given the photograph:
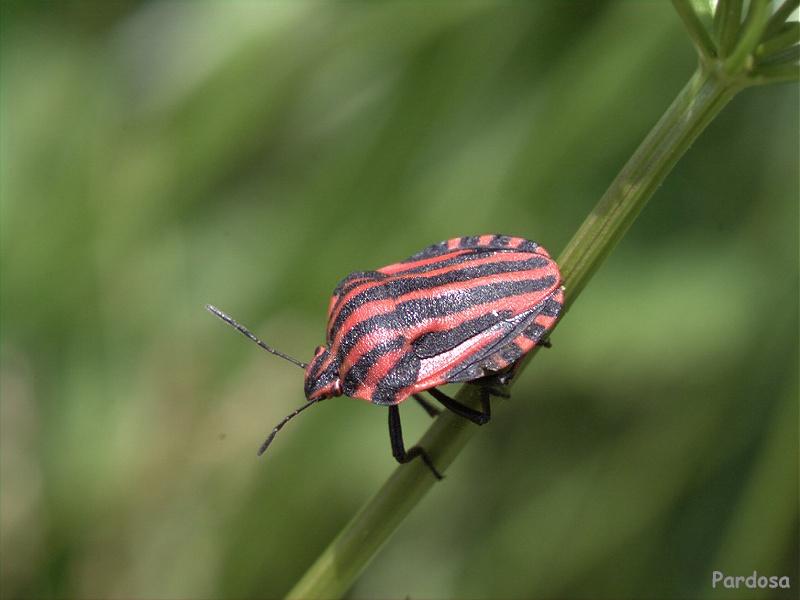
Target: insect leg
398 447
429 408
545 343
476 416
497 385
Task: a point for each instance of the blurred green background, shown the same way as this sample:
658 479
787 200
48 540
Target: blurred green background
157 156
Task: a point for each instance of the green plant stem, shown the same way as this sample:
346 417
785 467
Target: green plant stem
752 29
694 26
780 16
726 22
775 74
787 56
784 37
697 104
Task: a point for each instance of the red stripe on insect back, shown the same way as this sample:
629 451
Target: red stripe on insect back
381 367
458 260
474 242
331 304
472 283
407 270
545 321
524 345
393 318
548 320
404 266
474 265
469 267
377 307
411 331
352 280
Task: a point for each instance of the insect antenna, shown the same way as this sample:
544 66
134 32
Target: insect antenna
246 332
280 425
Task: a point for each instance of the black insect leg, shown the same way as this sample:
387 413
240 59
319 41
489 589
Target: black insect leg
429 408
545 343
496 385
398 447
476 416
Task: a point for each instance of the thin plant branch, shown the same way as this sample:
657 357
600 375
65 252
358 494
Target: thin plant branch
695 28
780 16
751 31
776 74
785 37
727 21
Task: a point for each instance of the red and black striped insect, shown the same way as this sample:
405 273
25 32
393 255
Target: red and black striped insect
463 310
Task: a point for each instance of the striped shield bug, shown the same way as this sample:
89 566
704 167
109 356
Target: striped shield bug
463 310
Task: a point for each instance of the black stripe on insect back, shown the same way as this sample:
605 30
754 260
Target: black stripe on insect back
511 352
444 262
437 342
357 278
359 371
527 246
394 288
413 311
432 250
315 368
402 374
534 332
478 254
551 307
499 241
499 359
321 379
470 241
